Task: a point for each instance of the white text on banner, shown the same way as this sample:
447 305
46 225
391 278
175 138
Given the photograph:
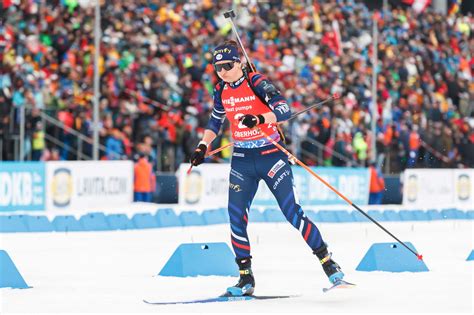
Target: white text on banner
77 184
438 187
208 186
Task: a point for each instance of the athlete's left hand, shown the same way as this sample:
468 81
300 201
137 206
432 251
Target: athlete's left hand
251 121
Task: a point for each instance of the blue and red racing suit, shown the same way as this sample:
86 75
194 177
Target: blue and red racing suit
255 158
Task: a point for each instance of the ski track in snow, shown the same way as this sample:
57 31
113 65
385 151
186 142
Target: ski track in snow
112 272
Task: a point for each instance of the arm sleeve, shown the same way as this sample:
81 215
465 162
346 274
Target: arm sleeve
218 113
267 90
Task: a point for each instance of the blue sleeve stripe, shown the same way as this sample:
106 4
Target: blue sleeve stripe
277 103
255 78
218 114
218 117
214 125
277 100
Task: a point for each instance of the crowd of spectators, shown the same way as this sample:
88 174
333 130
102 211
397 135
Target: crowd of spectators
157 81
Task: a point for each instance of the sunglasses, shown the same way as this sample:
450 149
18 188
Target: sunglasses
226 66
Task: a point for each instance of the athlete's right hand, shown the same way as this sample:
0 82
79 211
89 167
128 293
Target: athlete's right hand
251 121
198 155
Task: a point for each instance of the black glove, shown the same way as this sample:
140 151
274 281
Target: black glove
198 155
251 121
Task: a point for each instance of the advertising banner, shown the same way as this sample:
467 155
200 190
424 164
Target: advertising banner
77 184
438 187
464 187
208 185
351 182
22 186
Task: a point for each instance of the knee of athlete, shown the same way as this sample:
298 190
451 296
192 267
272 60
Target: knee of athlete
290 215
240 223
300 213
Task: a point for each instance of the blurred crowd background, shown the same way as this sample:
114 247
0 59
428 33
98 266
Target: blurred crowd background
156 78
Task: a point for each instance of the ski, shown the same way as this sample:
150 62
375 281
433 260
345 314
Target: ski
339 284
225 298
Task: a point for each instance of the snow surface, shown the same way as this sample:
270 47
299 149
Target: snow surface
112 272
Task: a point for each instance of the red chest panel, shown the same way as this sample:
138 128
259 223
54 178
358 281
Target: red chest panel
238 102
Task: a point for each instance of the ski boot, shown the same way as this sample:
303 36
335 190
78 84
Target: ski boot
331 268
246 283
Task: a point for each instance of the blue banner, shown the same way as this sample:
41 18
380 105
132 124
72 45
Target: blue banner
22 186
351 182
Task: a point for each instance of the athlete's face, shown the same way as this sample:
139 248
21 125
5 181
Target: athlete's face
229 71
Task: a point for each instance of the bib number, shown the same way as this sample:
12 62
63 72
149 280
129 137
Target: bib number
237 117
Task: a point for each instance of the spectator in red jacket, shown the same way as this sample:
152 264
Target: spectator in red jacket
144 183
377 185
153 55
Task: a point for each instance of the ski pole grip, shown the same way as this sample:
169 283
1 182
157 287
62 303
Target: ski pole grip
229 14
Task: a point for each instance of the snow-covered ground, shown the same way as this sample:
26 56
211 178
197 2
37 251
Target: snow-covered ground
112 272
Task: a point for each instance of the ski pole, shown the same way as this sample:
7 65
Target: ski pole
212 153
230 15
331 98
292 158
164 107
